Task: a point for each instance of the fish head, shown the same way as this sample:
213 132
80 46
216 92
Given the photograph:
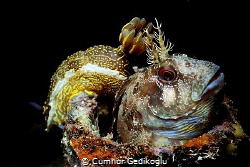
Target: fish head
174 99
175 87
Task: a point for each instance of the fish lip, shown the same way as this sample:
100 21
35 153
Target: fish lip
215 84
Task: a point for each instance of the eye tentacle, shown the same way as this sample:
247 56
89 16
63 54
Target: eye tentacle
157 51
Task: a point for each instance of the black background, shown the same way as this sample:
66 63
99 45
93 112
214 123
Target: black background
38 36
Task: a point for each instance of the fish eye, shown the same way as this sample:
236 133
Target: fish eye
167 74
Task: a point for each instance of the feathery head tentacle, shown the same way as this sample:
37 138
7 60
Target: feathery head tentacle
157 51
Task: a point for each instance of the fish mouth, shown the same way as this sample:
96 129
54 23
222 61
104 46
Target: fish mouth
215 84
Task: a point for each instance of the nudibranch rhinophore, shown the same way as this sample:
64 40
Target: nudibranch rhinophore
97 71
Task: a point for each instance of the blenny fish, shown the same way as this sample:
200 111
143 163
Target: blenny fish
174 99
97 71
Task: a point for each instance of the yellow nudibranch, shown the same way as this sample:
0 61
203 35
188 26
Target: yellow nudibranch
99 71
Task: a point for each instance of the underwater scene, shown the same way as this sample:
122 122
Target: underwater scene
143 85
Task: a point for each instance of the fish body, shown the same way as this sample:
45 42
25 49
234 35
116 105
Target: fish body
172 100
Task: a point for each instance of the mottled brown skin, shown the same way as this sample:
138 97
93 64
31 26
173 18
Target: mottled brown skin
168 103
